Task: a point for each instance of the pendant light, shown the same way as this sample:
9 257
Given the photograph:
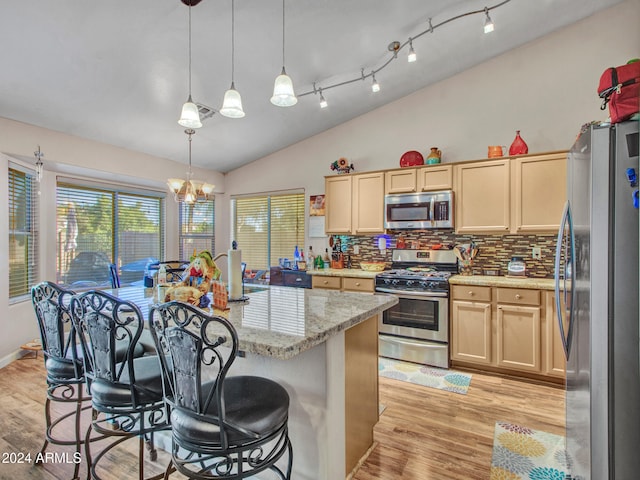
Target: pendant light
283 94
488 23
190 117
232 104
39 164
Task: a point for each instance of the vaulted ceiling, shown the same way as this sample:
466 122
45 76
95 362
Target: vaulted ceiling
117 71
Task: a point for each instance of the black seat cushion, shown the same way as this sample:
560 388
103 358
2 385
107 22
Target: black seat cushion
148 385
254 404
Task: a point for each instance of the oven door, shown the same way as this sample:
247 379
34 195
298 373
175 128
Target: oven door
419 315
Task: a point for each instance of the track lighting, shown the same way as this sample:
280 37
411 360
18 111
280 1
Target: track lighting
375 87
323 102
488 23
412 57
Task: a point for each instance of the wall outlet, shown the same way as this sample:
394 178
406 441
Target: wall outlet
536 253
356 249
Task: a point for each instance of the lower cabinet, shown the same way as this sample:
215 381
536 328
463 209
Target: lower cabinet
512 330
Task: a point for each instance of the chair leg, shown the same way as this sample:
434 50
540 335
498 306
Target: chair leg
47 421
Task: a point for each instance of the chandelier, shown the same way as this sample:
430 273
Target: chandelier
188 190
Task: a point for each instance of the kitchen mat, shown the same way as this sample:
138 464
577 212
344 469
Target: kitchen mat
433 377
521 453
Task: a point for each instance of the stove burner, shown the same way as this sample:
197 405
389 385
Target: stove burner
416 273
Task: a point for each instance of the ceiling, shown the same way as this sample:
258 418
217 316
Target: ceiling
117 71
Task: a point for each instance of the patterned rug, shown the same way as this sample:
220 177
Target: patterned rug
439 378
520 453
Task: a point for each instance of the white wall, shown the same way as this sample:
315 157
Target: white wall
72 156
546 89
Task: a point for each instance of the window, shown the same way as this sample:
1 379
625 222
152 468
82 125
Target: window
197 228
268 228
23 231
98 226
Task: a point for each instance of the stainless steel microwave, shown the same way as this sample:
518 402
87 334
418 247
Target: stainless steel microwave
419 210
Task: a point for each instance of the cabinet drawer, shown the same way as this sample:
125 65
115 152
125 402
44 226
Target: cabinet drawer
518 296
322 281
358 284
471 292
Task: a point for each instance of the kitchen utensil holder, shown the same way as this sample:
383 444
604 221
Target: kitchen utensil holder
465 267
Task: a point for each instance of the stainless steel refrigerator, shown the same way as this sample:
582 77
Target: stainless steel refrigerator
597 303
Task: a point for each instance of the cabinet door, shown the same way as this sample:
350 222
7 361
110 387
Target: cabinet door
471 331
518 337
435 178
368 203
539 192
482 196
555 359
400 181
338 192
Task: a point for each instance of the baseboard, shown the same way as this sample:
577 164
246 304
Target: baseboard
6 360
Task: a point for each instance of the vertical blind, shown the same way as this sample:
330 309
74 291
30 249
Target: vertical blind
268 228
23 232
197 228
99 226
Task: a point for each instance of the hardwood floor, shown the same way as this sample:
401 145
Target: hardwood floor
423 434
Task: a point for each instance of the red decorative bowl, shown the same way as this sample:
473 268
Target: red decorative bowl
411 158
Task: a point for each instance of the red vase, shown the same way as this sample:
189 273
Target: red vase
518 147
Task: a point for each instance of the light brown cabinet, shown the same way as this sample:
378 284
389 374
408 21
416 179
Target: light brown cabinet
483 196
508 330
518 329
539 186
420 179
354 204
471 324
555 360
346 284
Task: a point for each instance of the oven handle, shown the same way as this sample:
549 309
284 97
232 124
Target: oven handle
426 344
406 294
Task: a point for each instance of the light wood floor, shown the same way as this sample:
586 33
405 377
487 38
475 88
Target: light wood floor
423 434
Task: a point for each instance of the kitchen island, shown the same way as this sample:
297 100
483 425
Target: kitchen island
322 346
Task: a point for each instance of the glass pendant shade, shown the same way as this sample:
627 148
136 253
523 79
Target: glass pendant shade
488 23
283 95
232 104
190 117
412 57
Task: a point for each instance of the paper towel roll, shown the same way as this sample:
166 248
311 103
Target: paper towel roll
234 264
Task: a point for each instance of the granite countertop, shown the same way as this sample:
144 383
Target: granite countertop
343 272
282 322
501 281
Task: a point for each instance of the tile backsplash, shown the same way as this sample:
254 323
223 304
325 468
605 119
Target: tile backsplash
495 250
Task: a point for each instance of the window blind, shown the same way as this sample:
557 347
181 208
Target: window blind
268 227
97 227
197 228
23 232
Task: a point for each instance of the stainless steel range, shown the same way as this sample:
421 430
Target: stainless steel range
417 328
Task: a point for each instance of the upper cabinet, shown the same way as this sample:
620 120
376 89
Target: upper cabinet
539 192
517 195
354 204
421 179
482 196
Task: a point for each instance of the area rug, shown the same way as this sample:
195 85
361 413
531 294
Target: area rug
521 453
440 378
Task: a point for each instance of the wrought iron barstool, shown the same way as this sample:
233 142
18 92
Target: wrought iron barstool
65 375
127 391
223 427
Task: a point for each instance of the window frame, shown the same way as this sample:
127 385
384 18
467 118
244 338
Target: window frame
210 237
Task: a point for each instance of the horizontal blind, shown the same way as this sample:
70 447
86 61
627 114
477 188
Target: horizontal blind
23 232
268 228
197 228
287 226
251 231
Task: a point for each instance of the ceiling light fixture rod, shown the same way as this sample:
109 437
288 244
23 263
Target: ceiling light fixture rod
394 53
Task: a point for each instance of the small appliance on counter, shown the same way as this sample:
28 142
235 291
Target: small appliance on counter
517 267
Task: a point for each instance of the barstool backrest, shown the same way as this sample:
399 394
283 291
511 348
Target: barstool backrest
196 351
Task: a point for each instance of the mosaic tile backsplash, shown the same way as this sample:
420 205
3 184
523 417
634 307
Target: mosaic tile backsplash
495 250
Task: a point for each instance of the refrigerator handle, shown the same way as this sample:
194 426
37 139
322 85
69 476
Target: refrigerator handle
556 277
